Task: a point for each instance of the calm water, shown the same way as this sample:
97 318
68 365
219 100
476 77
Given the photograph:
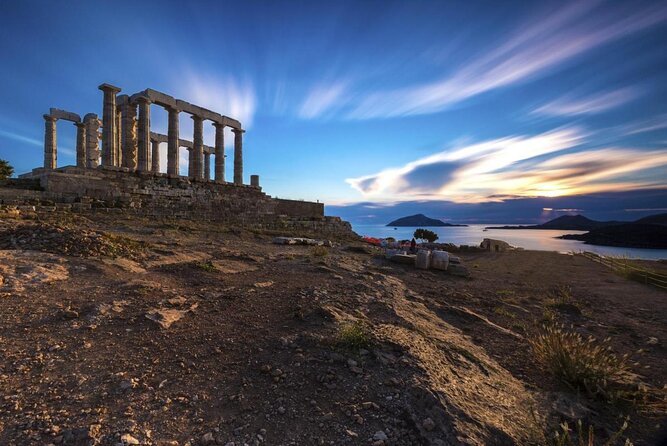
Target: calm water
539 240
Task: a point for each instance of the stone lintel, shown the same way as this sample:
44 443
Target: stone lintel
181 142
159 137
157 97
230 122
140 97
196 110
64 114
109 87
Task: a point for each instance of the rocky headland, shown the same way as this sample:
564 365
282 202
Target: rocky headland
118 329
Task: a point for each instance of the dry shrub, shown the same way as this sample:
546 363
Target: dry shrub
582 363
561 299
319 251
586 437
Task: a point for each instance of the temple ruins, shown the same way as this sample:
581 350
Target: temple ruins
118 170
127 140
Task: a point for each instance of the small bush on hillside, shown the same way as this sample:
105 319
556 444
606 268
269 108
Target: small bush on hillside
582 363
319 251
425 235
562 300
354 336
206 266
6 170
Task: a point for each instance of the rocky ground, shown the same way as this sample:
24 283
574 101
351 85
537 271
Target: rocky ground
116 331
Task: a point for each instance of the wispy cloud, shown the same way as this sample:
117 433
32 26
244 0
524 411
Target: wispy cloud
21 138
226 95
645 125
571 105
322 99
533 50
518 166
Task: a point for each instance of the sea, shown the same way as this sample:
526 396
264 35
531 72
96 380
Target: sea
532 239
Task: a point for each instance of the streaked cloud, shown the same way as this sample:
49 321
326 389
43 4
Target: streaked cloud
229 96
21 138
571 105
533 50
519 166
322 99
644 125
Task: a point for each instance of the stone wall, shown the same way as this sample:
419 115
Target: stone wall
299 208
114 190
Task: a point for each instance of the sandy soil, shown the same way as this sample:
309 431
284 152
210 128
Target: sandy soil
216 336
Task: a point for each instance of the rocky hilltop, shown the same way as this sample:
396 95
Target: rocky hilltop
120 329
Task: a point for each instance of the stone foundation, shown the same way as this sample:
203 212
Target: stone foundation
147 194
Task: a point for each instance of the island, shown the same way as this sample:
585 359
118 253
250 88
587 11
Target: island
567 223
420 220
648 232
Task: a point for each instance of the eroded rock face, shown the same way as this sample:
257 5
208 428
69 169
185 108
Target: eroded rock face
22 269
467 396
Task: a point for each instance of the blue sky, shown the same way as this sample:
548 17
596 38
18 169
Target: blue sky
357 102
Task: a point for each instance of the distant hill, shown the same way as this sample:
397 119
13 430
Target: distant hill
567 222
419 220
657 219
629 235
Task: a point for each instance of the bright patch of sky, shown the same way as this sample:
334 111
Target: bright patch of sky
366 101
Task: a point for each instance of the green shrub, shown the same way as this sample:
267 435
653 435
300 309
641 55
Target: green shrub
354 336
206 266
425 235
6 170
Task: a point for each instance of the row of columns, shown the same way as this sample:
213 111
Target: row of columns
87 142
126 140
136 144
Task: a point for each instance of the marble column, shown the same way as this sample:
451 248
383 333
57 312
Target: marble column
80 144
108 123
155 156
198 146
238 155
50 143
219 152
172 143
207 166
143 134
254 180
191 162
92 124
129 137
118 137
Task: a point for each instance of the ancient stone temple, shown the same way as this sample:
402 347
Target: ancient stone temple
127 140
118 168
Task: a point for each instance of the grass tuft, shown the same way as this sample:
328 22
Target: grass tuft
564 436
319 251
561 299
206 266
582 363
